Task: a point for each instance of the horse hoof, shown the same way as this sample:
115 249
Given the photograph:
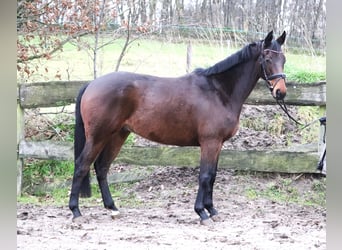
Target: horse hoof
206 222
215 218
80 220
115 214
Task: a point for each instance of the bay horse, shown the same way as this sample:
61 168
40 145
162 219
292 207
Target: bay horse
201 108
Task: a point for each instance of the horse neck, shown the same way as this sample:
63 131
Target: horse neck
239 82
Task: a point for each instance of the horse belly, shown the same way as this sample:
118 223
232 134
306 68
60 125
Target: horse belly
163 127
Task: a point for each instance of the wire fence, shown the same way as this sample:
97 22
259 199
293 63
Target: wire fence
223 36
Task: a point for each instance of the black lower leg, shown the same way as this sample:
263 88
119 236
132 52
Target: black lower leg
102 165
212 211
75 210
200 205
79 174
108 201
204 199
208 203
199 209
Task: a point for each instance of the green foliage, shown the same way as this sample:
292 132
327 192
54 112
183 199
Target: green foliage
276 125
252 193
282 191
130 140
302 68
64 125
38 172
286 190
306 77
317 194
307 114
251 122
38 191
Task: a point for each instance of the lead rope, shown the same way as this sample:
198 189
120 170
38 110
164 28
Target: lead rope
322 120
282 105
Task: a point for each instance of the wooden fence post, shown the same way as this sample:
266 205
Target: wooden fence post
20 136
188 57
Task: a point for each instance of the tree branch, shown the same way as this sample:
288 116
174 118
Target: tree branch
30 58
126 42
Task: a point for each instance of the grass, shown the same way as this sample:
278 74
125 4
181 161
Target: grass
60 196
290 190
37 172
49 182
159 58
305 68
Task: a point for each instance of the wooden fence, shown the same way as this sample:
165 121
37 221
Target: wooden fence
297 159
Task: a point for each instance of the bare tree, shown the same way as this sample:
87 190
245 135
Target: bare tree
45 26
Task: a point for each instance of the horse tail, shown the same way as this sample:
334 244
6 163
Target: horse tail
79 141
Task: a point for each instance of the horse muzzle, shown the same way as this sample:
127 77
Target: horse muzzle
277 85
280 95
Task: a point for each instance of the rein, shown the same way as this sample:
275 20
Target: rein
284 108
281 103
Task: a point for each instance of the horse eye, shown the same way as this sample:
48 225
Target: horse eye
268 60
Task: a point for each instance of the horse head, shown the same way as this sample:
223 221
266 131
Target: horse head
272 62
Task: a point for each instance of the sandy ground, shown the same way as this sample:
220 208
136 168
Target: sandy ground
164 218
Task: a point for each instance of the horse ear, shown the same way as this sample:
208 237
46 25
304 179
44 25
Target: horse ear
281 39
268 39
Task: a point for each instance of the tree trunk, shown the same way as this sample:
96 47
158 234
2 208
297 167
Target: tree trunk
143 14
318 12
152 8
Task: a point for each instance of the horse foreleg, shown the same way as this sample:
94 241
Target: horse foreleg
102 165
208 167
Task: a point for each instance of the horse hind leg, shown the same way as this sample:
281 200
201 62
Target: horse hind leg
82 167
102 164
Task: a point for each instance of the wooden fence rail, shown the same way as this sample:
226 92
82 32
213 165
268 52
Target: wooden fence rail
297 159
291 160
52 94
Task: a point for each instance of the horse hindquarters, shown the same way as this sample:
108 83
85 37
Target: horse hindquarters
99 138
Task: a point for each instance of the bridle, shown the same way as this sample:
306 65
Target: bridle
277 76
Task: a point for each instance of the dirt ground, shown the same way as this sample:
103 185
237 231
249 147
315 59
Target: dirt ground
163 216
165 219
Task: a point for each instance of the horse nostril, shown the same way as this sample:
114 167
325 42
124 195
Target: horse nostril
280 95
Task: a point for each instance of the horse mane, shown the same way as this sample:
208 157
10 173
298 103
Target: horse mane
238 57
